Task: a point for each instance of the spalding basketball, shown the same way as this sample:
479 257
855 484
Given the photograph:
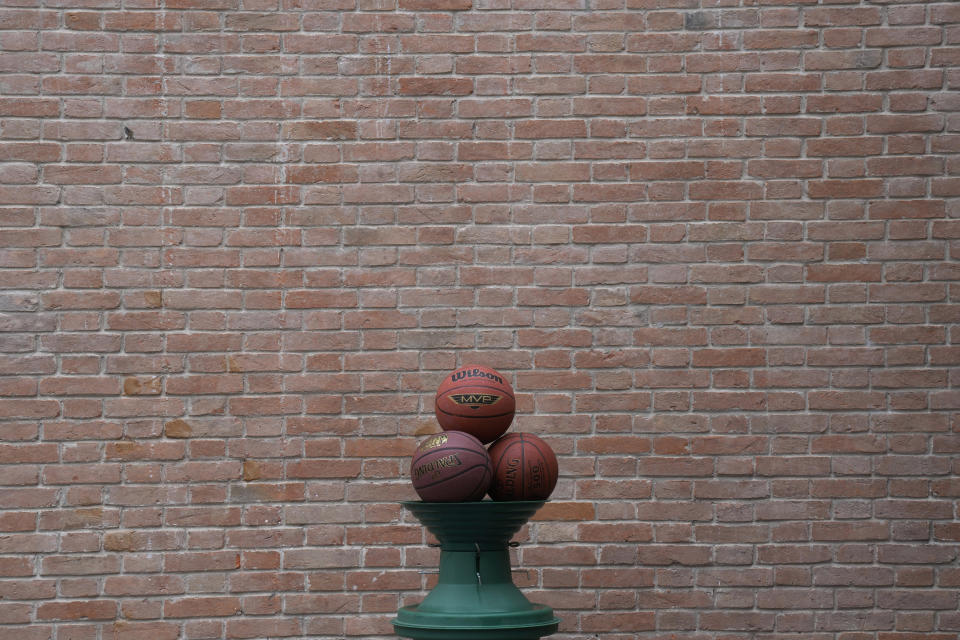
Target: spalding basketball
524 468
477 400
451 467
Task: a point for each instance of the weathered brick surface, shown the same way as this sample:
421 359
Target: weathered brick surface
713 244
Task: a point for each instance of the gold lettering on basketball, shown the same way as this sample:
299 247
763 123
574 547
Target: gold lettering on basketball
433 442
474 400
434 467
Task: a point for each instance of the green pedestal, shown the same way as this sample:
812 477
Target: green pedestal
475 598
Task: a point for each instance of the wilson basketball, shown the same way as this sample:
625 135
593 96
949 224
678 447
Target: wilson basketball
477 400
524 468
451 467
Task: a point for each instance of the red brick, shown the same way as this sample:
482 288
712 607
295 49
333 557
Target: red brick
904 123
435 86
202 607
124 630
607 621
436 5
321 130
78 610
729 358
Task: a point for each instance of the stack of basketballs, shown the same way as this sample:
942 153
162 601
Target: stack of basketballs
475 406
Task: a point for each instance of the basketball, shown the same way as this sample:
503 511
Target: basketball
524 468
451 467
477 400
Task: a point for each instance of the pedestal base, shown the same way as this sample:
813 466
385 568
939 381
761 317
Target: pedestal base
475 598
411 623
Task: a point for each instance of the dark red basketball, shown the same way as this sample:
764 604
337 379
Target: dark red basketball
477 400
524 468
451 467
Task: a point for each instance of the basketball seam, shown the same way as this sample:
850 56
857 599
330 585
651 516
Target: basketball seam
523 469
416 458
448 449
485 417
496 466
542 455
456 475
476 386
505 448
485 481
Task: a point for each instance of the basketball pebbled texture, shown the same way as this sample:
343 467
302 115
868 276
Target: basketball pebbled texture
451 467
524 468
477 400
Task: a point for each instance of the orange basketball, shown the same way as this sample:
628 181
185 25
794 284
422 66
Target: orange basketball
477 400
524 468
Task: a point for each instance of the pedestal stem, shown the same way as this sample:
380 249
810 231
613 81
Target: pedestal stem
460 590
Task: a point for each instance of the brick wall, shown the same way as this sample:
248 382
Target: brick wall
713 244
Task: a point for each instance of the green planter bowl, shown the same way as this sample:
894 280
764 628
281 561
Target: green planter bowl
460 526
